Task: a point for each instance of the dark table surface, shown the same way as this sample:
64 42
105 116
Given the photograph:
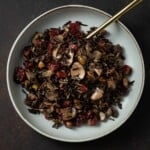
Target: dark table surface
16 135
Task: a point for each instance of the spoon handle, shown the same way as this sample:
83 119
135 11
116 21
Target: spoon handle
115 17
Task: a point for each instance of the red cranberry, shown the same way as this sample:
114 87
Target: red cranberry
53 66
127 70
61 74
53 32
74 27
20 74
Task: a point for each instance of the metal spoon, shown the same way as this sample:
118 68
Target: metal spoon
115 17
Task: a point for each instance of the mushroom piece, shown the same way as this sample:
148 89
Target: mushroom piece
68 113
97 94
55 52
70 60
77 71
96 56
59 38
88 50
102 116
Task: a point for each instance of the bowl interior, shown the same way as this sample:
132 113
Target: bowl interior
119 34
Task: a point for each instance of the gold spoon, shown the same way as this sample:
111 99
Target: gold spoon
115 17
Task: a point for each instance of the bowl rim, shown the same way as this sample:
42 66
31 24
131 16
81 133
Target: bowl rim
34 21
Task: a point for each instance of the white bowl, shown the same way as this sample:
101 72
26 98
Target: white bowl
119 34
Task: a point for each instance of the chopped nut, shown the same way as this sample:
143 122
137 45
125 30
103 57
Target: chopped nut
41 65
35 87
102 116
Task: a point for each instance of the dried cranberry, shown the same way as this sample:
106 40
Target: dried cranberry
53 66
93 121
61 74
53 32
27 52
67 103
127 70
83 88
80 119
20 75
74 27
73 47
101 43
29 65
50 48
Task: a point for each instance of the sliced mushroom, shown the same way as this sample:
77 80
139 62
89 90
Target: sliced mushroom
96 56
70 60
97 94
77 71
55 52
59 38
68 113
88 50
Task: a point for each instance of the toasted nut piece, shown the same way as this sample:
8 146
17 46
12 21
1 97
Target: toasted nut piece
97 94
82 59
35 87
41 65
125 82
102 116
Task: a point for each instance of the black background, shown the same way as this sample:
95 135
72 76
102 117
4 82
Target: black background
16 135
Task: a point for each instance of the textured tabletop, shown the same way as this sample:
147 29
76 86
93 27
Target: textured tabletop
16 135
